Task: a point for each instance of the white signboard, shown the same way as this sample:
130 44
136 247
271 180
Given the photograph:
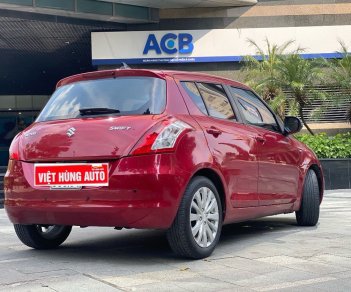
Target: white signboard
215 45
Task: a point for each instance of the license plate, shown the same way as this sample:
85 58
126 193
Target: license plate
71 175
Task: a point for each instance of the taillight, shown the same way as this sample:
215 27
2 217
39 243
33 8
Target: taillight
163 138
14 149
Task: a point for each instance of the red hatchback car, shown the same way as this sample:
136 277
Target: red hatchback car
184 152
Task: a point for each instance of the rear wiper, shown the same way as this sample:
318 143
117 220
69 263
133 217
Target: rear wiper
97 111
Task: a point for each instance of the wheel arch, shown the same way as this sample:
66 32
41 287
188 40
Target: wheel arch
215 178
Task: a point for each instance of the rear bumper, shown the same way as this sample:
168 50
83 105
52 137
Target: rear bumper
143 192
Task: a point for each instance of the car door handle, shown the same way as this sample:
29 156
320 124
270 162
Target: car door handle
214 131
261 140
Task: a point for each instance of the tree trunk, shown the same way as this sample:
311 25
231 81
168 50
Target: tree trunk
303 120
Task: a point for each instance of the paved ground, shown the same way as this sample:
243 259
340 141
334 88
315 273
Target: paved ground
261 255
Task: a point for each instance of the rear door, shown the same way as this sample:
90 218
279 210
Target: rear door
232 145
278 158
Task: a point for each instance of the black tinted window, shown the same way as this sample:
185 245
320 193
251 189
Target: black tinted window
128 95
216 101
193 92
254 110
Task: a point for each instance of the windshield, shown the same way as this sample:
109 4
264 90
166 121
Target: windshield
121 96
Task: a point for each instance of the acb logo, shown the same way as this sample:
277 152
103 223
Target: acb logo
170 44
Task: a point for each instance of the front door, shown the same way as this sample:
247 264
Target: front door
278 170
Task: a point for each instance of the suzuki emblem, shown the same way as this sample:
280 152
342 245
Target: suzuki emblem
70 132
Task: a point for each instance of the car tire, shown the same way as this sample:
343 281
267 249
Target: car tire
42 237
308 214
197 227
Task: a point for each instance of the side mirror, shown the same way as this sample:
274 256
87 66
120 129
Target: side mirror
292 125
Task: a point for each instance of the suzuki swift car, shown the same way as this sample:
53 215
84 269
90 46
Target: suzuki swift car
183 152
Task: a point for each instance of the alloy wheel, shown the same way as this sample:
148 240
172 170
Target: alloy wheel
49 231
204 217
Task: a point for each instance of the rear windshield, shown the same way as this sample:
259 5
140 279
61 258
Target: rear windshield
126 95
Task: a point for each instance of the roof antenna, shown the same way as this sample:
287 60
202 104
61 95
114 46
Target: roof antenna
124 66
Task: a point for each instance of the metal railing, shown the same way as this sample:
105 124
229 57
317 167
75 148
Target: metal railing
332 110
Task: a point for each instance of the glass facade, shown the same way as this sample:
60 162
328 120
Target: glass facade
18 2
95 7
16 114
88 6
62 4
132 11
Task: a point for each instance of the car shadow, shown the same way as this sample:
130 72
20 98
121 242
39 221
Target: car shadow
253 228
105 244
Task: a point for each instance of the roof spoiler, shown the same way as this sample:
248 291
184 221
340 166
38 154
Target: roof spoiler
110 74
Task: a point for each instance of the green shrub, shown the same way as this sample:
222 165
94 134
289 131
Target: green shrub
338 146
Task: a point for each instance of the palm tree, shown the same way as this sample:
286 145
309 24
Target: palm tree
341 73
299 76
262 73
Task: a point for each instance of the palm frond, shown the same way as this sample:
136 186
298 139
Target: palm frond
293 107
263 71
278 104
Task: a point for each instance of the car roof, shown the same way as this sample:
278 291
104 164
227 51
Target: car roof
180 75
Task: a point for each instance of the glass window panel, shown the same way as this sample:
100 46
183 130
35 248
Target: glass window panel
254 110
132 11
24 102
216 101
7 101
18 2
193 92
125 95
39 101
95 7
62 4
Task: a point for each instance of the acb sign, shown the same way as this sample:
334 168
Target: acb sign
170 43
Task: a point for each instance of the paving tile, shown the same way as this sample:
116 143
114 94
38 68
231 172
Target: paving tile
337 285
11 276
166 286
303 265
148 278
330 259
26 287
250 265
305 286
227 274
205 284
79 283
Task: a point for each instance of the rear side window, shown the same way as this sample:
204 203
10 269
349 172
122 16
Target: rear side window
254 110
216 101
126 95
193 92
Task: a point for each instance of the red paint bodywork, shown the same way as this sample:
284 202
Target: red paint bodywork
257 178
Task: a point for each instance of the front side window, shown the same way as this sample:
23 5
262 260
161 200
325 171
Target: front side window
216 101
254 110
118 96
